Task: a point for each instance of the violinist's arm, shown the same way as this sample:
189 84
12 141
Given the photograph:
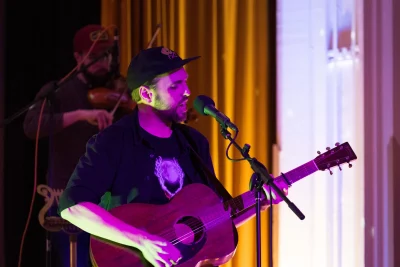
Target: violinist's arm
72 117
60 120
98 117
54 122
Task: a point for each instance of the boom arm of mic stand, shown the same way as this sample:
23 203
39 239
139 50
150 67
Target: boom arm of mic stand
48 92
262 171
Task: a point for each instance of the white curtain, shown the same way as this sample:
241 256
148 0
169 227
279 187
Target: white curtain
2 77
320 103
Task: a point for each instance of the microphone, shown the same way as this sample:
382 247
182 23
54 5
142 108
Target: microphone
206 106
115 55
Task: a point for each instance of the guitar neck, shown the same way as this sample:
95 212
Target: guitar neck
247 200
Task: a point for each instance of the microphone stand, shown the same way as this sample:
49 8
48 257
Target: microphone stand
260 177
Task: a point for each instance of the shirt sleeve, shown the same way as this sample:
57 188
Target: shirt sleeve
49 122
95 172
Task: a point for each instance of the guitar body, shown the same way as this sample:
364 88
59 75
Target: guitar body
196 222
202 241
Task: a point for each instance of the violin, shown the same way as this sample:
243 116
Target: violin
118 98
104 98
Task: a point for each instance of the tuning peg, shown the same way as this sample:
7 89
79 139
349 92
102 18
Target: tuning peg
337 144
340 168
328 148
319 152
350 165
330 171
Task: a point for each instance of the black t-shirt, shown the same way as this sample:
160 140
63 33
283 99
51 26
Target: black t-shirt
124 164
167 169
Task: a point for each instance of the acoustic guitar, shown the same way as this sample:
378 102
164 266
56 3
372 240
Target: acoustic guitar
196 221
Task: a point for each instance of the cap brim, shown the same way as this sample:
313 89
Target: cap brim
185 61
178 65
156 72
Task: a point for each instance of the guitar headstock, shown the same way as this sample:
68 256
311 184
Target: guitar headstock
334 157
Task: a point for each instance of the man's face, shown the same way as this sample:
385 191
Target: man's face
99 72
171 94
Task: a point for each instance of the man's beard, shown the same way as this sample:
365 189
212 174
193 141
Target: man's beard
171 114
97 80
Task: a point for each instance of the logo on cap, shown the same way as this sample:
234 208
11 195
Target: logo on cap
168 52
103 37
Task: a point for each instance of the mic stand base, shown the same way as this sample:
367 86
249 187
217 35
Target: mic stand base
73 243
256 184
48 249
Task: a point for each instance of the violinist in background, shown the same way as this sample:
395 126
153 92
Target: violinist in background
72 121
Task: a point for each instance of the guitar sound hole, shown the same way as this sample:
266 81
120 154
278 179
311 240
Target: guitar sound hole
189 230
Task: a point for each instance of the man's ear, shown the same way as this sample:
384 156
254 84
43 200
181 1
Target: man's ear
146 95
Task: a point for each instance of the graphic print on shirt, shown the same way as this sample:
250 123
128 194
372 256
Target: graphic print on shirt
169 174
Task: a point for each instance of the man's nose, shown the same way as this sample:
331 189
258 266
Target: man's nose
187 92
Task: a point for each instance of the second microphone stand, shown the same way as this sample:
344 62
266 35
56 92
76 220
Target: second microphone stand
260 177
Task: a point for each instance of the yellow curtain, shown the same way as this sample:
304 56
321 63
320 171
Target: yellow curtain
232 38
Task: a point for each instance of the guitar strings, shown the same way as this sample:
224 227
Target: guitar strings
209 224
193 223
235 202
215 221
198 227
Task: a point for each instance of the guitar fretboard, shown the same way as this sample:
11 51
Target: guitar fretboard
300 172
247 200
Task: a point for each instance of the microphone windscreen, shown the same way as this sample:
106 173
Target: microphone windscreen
200 102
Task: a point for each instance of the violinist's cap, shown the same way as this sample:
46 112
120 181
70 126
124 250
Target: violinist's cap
150 63
85 37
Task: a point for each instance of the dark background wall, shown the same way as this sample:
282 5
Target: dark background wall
2 28
38 48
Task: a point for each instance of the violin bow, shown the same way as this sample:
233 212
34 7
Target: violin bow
148 46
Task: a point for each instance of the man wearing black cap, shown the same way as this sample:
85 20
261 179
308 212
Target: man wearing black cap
143 158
